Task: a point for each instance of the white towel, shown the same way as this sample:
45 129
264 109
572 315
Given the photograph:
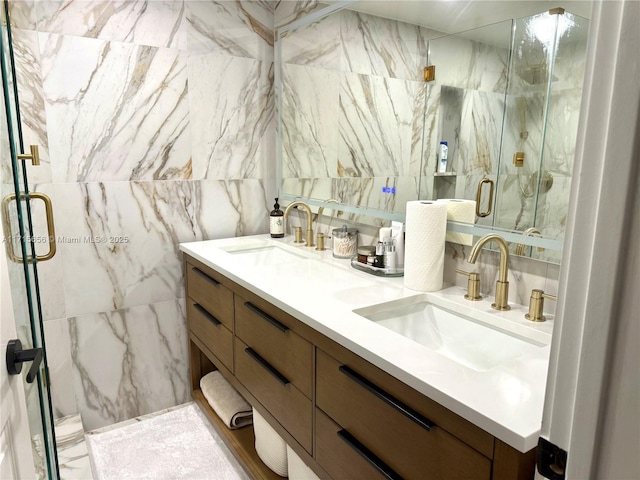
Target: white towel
230 406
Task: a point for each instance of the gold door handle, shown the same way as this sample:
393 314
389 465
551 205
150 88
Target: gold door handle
50 226
34 156
479 197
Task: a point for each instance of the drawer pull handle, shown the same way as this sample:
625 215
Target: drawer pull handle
207 315
267 366
368 455
266 316
407 411
205 276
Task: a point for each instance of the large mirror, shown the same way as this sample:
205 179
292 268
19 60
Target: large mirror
359 124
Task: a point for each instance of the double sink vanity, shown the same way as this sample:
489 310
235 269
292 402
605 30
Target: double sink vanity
362 377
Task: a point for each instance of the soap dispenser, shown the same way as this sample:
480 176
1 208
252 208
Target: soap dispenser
276 221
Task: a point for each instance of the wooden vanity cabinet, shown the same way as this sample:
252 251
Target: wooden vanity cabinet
379 425
210 315
346 418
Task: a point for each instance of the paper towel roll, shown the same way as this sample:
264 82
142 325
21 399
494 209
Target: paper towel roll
463 211
424 245
270 446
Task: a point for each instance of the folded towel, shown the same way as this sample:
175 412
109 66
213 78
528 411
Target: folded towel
230 406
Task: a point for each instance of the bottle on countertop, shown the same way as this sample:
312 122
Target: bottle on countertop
276 221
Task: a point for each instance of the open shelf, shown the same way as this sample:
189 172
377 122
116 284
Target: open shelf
241 442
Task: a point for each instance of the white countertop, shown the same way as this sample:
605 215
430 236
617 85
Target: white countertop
322 292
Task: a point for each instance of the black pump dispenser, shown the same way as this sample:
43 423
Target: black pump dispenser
276 221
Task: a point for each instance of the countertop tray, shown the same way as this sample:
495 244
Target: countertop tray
377 271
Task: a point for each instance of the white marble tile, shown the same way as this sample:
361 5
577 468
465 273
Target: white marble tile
129 362
479 148
154 23
50 272
232 110
32 106
376 125
379 46
240 29
122 115
229 208
317 44
23 14
464 63
310 112
73 456
287 12
119 242
56 334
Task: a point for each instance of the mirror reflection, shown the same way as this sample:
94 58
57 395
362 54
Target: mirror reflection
358 122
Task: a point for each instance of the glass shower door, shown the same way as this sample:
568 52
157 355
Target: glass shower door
24 250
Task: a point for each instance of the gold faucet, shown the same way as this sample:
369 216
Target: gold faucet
331 200
309 220
502 285
528 232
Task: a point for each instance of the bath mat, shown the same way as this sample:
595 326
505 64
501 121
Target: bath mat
179 444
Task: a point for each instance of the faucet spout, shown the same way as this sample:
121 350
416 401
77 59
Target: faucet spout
309 235
502 284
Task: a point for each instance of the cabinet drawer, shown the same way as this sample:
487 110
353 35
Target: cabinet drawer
211 332
263 329
399 436
275 392
342 456
204 287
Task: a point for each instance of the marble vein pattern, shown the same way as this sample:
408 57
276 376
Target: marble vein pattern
288 12
232 137
73 456
240 29
317 44
122 115
32 104
477 66
63 399
376 125
310 117
378 46
120 243
152 23
129 362
482 114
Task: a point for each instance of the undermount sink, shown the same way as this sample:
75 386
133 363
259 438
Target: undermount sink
457 337
265 253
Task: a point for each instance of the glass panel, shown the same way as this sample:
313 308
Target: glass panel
466 111
18 232
543 104
560 131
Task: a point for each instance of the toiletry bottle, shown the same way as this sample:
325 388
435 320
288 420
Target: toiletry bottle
276 221
390 256
442 162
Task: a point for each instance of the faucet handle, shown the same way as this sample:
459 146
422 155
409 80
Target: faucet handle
536 305
473 285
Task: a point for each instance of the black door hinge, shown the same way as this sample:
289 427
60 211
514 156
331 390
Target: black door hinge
551 460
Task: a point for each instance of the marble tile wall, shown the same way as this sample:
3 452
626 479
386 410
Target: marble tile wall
353 107
155 121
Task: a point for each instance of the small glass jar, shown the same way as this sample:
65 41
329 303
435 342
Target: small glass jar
344 242
365 252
